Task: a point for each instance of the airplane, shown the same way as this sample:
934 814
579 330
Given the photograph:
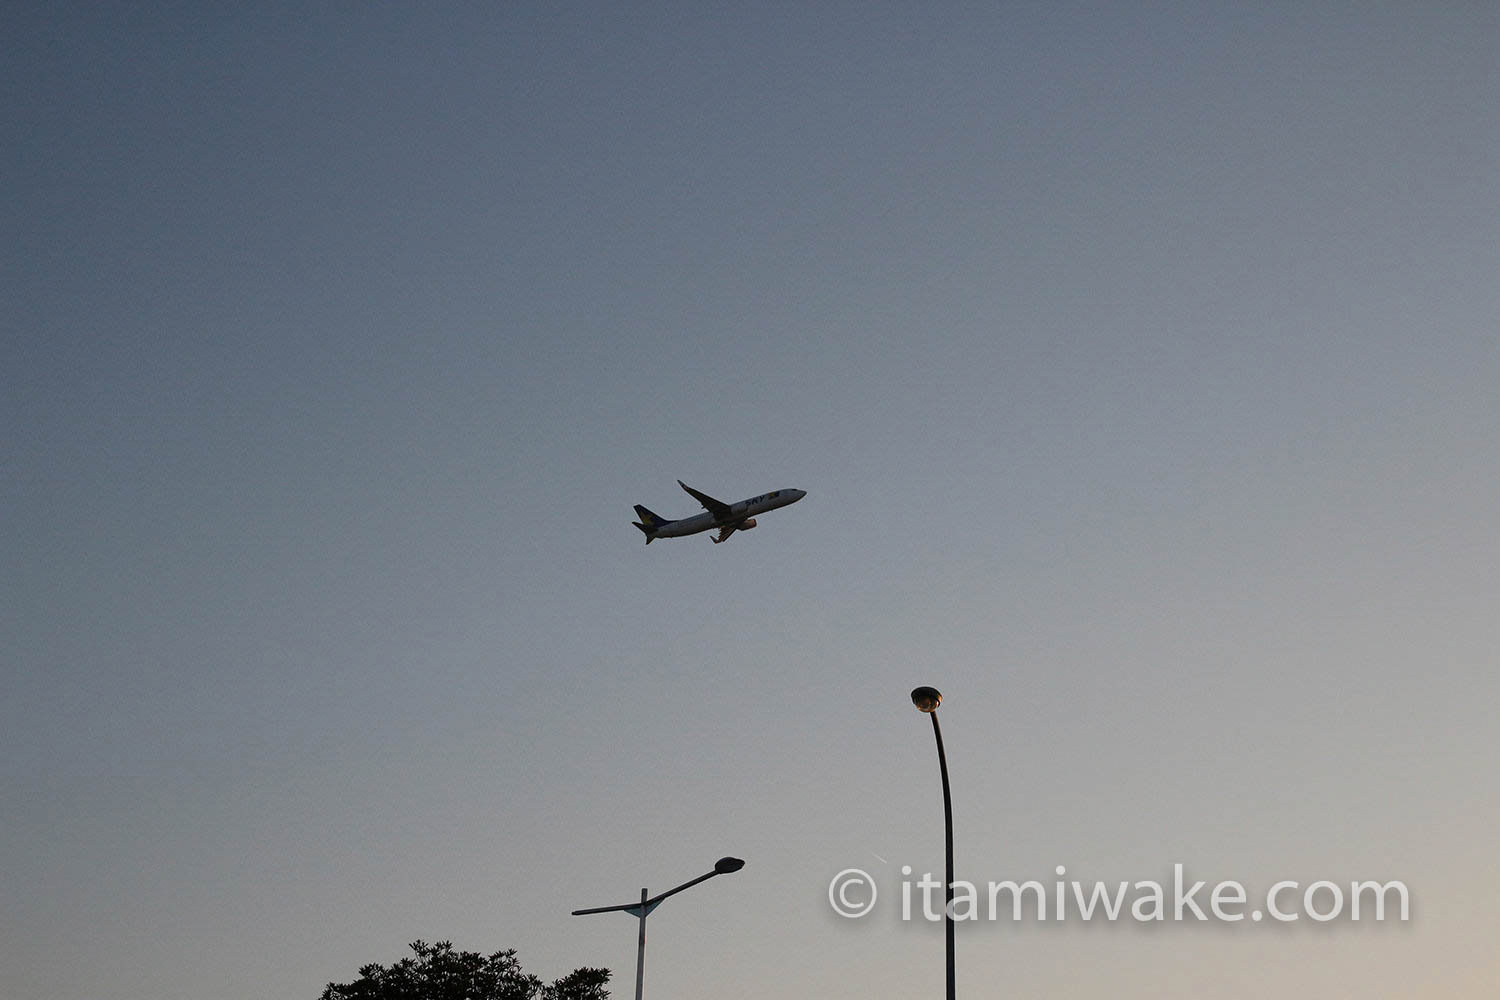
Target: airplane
727 518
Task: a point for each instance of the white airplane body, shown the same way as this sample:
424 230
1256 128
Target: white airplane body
726 517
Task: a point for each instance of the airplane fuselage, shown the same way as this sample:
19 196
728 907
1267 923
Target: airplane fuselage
738 513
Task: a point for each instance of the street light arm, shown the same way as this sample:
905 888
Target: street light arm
686 885
607 909
723 866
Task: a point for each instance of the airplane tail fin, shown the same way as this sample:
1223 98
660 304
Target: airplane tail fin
648 522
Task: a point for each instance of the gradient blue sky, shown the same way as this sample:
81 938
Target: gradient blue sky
1140 361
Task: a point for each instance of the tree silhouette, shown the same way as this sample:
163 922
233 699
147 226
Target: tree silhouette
440 973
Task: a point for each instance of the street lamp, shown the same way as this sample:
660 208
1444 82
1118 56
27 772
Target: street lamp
643 909
927 699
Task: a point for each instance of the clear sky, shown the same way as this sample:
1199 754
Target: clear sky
1140 361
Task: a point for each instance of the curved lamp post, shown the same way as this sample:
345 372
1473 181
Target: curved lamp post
643 909
927 699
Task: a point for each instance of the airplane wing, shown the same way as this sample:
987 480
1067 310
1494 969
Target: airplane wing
718 508
725 532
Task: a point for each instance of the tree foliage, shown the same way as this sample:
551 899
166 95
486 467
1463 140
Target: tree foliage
440 973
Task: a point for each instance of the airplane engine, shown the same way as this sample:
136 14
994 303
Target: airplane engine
749 523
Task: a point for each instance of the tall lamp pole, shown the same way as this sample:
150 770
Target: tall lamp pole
927 699
643 909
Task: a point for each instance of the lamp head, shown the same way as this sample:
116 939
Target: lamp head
927 699
726 865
